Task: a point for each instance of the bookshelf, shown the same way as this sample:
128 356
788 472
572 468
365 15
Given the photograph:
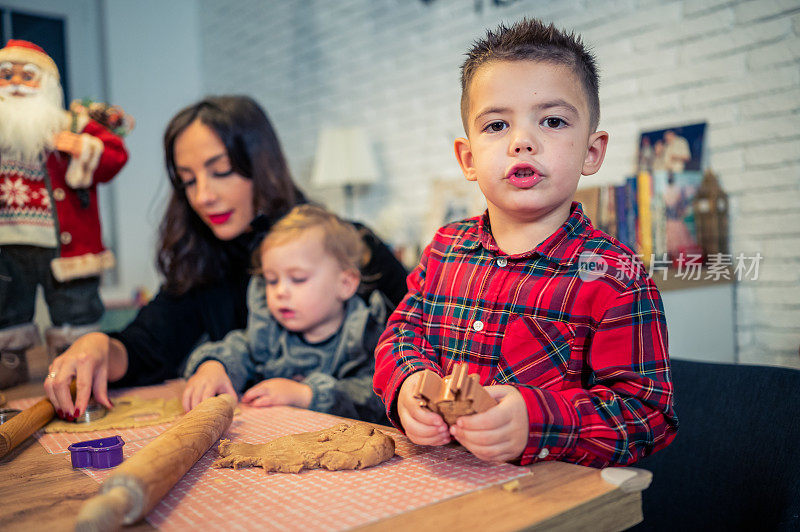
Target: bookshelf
678 225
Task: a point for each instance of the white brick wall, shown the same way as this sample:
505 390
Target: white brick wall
392 66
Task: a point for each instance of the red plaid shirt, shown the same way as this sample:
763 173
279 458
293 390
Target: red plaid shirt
573 324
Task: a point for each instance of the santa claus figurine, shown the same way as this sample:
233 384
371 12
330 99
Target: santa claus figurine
50 164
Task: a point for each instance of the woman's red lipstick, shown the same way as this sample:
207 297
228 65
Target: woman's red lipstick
220 218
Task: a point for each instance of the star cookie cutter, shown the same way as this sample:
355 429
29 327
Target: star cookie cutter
458 394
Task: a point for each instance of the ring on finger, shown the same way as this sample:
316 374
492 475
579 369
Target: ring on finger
52 375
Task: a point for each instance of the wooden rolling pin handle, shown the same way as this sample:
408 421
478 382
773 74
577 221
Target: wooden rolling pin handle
18 428
104 512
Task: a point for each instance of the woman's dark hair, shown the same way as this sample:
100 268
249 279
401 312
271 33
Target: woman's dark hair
189 253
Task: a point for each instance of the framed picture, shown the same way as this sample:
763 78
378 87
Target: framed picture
675 149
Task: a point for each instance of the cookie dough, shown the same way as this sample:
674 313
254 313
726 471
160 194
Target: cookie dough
128 412
340 447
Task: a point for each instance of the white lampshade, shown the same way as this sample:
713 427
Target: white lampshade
344 157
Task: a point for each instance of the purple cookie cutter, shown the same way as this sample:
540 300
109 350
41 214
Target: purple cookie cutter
100 454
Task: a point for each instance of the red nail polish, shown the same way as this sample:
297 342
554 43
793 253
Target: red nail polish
75 415
60 413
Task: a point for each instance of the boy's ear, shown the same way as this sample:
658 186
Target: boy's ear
348 284
596 152
464 157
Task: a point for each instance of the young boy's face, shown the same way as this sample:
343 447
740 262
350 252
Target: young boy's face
306 286
529 139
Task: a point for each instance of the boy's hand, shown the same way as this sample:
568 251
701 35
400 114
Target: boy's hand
277 392
422 426
498 434
209 379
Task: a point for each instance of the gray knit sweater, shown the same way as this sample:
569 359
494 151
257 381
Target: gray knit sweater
341 383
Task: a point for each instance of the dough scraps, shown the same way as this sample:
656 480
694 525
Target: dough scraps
339 447
128 412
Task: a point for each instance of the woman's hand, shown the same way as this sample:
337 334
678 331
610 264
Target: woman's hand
87 361
209 379
276 392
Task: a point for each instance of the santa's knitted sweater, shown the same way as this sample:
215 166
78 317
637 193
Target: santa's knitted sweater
26 213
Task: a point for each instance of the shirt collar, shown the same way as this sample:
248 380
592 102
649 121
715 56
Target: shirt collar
561 247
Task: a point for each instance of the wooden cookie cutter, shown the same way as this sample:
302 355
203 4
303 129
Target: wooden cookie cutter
456 395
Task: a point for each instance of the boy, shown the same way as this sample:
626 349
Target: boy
575 356
309 338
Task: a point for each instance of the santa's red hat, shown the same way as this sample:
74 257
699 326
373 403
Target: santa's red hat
20 51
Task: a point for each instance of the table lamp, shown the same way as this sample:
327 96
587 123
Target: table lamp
344 158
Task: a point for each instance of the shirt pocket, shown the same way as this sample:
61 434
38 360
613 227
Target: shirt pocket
535 351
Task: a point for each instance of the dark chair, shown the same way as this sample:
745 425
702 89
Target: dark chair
735 463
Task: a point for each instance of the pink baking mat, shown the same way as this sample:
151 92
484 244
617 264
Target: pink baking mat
247 499
58 442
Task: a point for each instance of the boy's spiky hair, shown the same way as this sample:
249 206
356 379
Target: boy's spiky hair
530 39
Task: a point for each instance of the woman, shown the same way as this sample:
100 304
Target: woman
230 184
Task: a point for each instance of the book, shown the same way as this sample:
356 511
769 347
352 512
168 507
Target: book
676 193
620 204
631 212
589 198
644 184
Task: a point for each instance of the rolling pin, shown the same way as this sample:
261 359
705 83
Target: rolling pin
17 429
142 480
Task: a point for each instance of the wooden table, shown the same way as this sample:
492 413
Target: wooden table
40 491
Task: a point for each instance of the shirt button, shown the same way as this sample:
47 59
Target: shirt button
478 325
58 194
543 453
66 238
502 262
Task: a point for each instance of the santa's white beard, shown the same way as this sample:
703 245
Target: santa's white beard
28 124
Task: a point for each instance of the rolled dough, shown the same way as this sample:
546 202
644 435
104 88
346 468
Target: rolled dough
339 447
128 412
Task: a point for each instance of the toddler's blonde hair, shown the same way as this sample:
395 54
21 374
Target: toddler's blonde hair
341 239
